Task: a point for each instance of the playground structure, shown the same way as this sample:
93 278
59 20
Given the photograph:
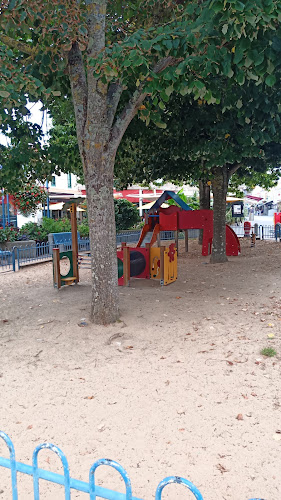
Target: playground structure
142 263
147 261
181 218
73 274
159 263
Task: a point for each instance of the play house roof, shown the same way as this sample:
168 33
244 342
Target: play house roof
167 195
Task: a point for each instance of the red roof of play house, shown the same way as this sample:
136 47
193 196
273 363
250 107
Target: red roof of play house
133 195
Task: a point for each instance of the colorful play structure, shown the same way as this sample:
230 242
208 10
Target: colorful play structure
182 218
147 261
72 275
157 263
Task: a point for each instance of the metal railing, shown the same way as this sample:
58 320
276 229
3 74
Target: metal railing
133 236
69 483
19 257
41 252
261 232
7 261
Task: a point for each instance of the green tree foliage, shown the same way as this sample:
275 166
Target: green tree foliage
192 201
126 214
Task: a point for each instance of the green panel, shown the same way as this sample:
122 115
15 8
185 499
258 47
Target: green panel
70 256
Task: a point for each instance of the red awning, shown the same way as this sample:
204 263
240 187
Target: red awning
134 196
254 198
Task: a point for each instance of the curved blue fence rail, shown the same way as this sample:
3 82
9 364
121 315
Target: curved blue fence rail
73 484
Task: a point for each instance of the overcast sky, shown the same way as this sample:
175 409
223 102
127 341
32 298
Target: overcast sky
36 117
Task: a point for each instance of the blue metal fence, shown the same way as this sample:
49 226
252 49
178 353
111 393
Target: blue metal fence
73 484
22 256
7 261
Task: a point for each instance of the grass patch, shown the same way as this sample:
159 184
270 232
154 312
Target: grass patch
269 352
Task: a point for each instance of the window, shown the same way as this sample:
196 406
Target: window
53 183
69 181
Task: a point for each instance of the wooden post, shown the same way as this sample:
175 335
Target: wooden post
56 263
162 250
159 239
186 239
177 241
126 264
73 212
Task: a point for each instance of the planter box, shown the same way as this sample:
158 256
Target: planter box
27 249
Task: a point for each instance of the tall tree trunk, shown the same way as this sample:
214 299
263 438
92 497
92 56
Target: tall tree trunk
204 199
219 188
99 132
101 216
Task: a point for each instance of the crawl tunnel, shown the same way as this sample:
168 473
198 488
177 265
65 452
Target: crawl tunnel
139 264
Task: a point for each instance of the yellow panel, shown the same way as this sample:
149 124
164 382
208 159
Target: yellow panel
155 263
170 268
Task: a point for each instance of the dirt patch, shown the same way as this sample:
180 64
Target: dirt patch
178 387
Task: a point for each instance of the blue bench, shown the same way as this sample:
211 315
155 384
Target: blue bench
63 239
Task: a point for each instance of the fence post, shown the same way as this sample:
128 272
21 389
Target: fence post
36 474
177 480
10 445
116 466
14 259
261 232
18 256
186 239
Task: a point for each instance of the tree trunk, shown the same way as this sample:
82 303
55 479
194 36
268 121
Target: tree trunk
101 216
219 188
204 199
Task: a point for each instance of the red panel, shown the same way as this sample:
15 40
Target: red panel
168 222
170 210
232 242
196 219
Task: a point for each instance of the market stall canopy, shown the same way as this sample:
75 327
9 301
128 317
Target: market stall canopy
253 198
149 205
232 199
61 206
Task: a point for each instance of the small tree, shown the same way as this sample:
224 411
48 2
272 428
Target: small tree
126 214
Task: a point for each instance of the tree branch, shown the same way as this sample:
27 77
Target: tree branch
131 108
97 91
233 169
78 84
17 44
113 97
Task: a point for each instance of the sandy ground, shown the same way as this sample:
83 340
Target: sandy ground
161 390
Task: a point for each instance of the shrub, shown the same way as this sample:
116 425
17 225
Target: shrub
83 229
126 214
32 231
8 234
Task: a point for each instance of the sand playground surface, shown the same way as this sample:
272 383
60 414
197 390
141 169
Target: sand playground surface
177 387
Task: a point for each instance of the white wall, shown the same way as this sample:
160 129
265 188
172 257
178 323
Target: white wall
31 218
62 183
